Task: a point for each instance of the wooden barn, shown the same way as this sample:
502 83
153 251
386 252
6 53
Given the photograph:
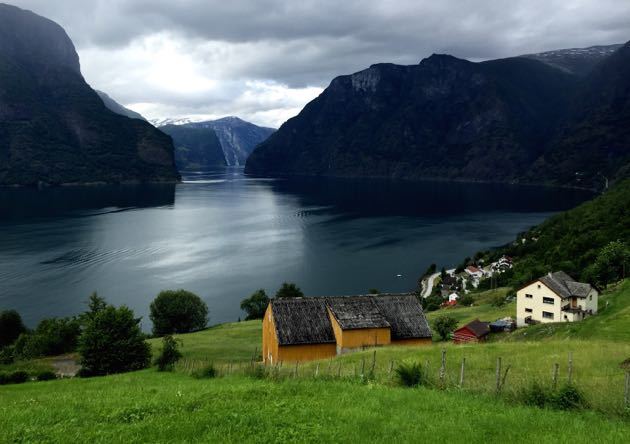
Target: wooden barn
475 331
303 329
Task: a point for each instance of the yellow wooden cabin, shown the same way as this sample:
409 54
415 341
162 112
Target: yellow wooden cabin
304 329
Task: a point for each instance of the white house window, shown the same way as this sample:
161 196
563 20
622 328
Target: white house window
590 298
549 301
547 315
538 285
529 310
529 296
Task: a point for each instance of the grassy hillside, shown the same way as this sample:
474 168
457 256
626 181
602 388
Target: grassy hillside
151 407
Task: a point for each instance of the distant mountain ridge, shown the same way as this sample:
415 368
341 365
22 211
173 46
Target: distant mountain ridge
507 120
235 140
579 61
116 107
54 129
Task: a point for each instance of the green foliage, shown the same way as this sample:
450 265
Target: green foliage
430 270
11 327
46 376
568 397
256 371
207 372
53 336
444 326
612 263
410 374
112 342
535 395
255 305
169 355
177 311
466 300
374 291
498 301
289 290
432 302
7 355
16 377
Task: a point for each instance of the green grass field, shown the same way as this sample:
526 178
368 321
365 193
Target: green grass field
172 407
292 404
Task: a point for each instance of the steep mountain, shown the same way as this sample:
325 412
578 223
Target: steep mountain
236 140
444 118
116 107
53 127
195 148
579 61
594 144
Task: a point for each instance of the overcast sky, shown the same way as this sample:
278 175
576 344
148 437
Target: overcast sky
263 60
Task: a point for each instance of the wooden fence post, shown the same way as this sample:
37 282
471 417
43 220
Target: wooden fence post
373 369
626 395
556 367
317 370
363 366
391 368
443 368
570 367
461 373
498 375
339 370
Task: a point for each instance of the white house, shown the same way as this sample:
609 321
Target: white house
556 297
474 272
453 297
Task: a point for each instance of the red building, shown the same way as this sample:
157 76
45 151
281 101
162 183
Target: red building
475 331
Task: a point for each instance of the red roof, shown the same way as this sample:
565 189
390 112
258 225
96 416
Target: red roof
473 269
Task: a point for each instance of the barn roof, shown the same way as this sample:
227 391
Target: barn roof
476 327
306 320
565 286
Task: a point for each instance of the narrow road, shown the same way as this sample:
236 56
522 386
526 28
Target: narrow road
427 285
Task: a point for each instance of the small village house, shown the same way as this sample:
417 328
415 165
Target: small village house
303 329
475 331
474 272
555 297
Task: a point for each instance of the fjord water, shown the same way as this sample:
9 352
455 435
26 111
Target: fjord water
223 235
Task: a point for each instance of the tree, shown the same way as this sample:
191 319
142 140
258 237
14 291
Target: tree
430 270
612 263
432 302
112 342
374 291
466 300
178 311
53 336
169 355
255 305
11 327
289 290
445 325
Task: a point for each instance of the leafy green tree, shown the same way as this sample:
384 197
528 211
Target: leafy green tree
444 326
112 342
443 273
612 263
466 300
289 290
11 327
255 305
177 311
430 270
374 291
53 336
169 355
432 302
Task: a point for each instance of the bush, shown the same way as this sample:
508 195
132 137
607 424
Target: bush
16 377
46 375
51 337
178 311
444 326
569 397
256 371
113 343
208 372
11 327
410 374
289 290
432 303
7 355
169 355
535 395
497 301
255 305
466 300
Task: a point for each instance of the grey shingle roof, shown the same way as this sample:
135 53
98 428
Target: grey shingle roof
306 320
565 286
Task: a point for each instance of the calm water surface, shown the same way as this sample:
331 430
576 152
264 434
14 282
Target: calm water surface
223 235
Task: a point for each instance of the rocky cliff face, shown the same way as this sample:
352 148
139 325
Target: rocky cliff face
510 120
54 128
117 108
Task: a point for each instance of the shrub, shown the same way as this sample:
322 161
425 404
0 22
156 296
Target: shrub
51 337
169 355
410 374
16 377
497 300
255 305
207 372
289 290
46 375
256 371
7 355
178 311
535 395
11 327
569 397
466 300
113 343
432 303
444 325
